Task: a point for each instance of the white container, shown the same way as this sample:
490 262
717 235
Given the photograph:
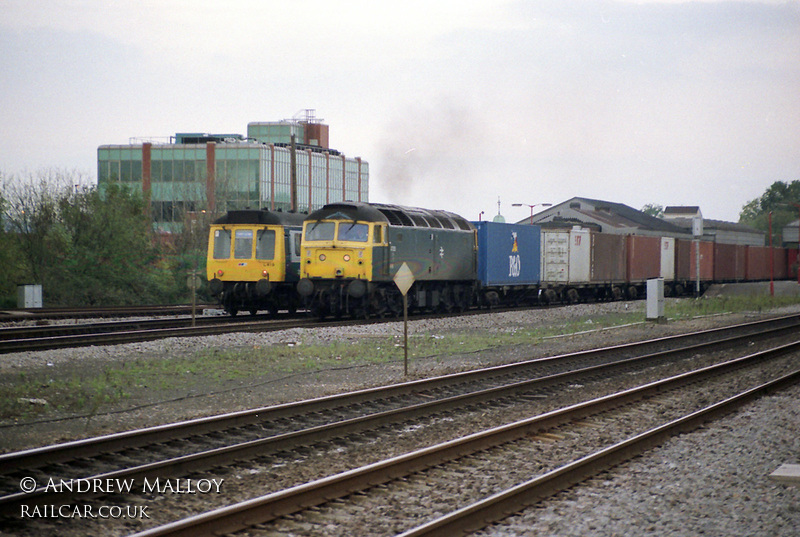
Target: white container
29 296
555 256
668 258
580 256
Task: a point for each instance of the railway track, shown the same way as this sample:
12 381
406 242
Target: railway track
28 314
18 339
475 479
190 446
34 338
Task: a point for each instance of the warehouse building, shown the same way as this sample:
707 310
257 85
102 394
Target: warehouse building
283 165
617 218
606 217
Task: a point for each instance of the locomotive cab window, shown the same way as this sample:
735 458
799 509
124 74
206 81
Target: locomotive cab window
265 244
222 244
353 232
243 244
377 235
320 231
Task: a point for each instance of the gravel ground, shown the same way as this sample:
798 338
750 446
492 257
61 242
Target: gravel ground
710 482
694 485
276 386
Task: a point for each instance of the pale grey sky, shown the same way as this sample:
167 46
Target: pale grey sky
453 103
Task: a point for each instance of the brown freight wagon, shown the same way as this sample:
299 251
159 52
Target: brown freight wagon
730 261
759 267
791 263
608 258
685 266
643 260
781 265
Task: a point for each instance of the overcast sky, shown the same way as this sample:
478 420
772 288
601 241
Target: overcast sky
452 103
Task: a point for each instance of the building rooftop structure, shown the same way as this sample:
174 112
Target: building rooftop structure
284 165
716 230
604 216
617 218
791 234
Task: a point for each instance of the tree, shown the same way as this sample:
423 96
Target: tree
777 199
14 268
83 246
653 209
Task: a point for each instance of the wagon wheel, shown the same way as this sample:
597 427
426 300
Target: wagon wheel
572 296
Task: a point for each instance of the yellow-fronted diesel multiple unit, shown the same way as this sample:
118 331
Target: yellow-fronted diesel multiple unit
253 260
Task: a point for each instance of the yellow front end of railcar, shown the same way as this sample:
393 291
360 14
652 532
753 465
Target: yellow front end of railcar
246 253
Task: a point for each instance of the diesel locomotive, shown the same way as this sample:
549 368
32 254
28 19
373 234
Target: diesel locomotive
253 260
351 251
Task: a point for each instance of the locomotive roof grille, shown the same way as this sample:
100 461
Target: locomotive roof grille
446 222
419 220
432 222
394 215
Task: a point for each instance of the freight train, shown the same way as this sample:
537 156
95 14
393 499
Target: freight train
350 252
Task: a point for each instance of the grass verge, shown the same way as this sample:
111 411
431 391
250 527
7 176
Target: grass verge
87 389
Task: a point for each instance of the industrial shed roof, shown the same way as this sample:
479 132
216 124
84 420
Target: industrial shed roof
610 217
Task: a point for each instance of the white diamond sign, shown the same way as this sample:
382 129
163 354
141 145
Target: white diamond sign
404 279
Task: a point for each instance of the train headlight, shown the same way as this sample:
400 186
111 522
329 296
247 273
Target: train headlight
346 257
265 274
220 272
322 257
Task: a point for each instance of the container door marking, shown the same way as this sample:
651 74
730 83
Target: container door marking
514 261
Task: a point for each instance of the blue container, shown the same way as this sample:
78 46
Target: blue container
508 254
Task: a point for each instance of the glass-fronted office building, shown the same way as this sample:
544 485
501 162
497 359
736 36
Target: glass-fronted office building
195 172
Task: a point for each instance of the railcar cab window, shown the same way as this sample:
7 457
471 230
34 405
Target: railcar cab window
353 232
243 244
320 231
222 244
265 244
